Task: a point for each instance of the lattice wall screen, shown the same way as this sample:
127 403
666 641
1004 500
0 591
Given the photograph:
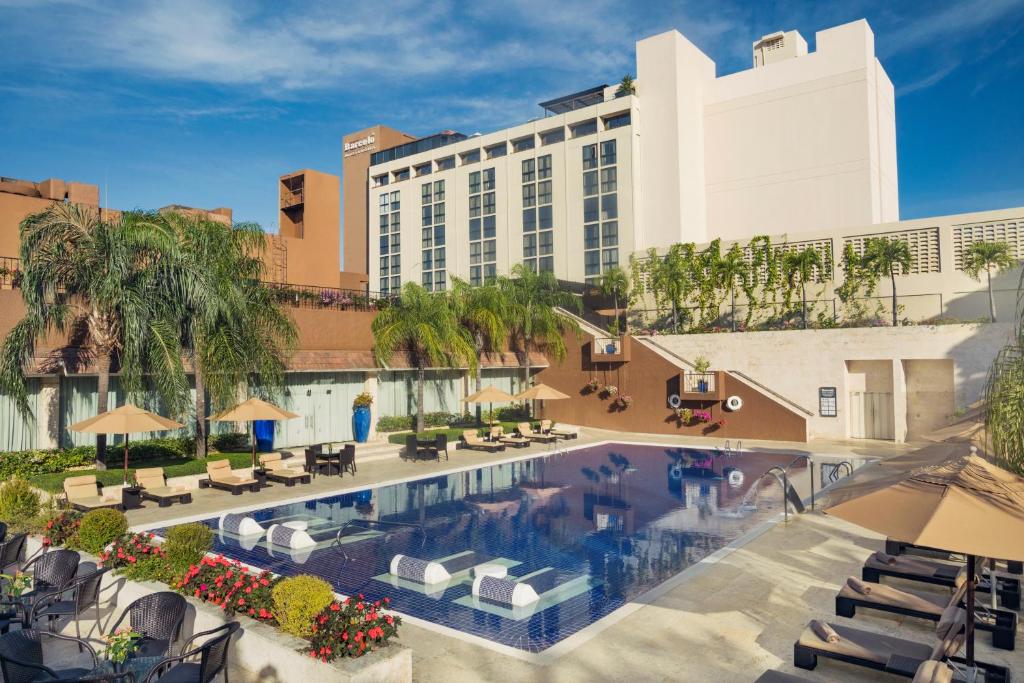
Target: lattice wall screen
924 247
1010 231
822 246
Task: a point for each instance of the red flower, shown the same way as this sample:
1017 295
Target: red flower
335 607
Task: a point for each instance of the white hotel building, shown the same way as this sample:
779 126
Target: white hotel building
800 142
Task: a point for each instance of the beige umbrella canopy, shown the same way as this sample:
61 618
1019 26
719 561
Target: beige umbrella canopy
251 410
541 392
127 419
965 505
490 396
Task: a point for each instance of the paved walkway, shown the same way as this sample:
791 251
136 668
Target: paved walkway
726 621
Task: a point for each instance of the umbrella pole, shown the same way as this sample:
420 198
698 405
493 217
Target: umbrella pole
969 600
124 472
252 430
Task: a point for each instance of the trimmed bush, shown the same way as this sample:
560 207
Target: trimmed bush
19 502
232 441
99 528
34 462
185 546
136 557
297 602
404 423
352 628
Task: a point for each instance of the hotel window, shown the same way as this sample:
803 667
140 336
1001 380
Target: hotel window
380 180
498 150
470 157
434 277
538 221
552 137
483 244
390 244
423 169
617 121
523 144
600 211
402 174
584 128
446 164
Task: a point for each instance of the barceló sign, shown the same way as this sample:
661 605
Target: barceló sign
360 145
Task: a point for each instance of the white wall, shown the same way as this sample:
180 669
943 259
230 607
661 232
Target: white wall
796 363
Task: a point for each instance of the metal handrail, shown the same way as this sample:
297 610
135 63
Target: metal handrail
810 469
379 522
821 470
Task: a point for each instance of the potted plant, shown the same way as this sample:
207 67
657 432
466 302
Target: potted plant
361 416
625 400
593 385
701 366
702 416
685 415
120 645
610 391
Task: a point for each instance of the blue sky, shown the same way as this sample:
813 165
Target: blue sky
206 104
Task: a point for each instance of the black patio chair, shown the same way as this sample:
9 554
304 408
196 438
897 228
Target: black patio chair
85 593
22 659
158 617
440 446
347 459
412 447
12 552
212 655
313 463
3 532
52 573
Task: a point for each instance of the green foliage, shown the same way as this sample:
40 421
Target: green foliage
701 364
59 528
136 557
887 258
99 528
454 433
186 545
988 257
399 423
173 467
229 442
627 86
363 400
34 462
19 502
352 628
297 602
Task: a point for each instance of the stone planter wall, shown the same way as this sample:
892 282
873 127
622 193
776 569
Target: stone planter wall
260 652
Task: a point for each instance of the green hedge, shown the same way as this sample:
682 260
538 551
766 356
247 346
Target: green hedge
230 442
454 433
34 462
403 423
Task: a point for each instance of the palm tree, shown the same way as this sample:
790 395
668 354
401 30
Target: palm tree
232 328
423 326
481 312
672 277
882 257
733 269
988 256
532 319
627 86
109 285
614 283
801 267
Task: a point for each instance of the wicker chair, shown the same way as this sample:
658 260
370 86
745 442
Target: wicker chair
212 655
158 617
52 573
314 465
12 551
3 532
22 661
347 458
85 594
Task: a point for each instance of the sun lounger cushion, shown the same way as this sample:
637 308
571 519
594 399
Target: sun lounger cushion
504 591
859 586
881 594
824 631
933 672
421 571
910 565
864 645
286 537
240 525
83 490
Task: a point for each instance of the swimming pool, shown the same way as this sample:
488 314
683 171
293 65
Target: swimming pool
587 530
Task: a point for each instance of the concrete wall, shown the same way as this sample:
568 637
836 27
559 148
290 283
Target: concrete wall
310 233
911 362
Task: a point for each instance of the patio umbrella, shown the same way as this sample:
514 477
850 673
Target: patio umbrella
965 505
490 396
541 392
250 411
127 419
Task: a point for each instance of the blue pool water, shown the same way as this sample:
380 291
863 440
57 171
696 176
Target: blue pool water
591 529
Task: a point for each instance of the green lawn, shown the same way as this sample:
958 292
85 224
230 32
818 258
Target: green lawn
454 433
173 467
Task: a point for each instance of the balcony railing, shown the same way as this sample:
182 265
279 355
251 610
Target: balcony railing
292 198
311 296
702 386
609 350
10 272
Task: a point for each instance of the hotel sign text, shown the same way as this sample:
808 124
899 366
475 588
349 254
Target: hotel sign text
359 146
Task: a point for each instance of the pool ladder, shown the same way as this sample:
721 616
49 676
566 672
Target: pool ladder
789 494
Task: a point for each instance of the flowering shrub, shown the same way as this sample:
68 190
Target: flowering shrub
609 391
685 414
135 556
593 384
702 416
625 400
230 586
363 400
352 628
62 526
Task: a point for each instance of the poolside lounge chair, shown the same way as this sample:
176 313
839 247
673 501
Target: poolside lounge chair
281 471
85 493
894 547
886 653
936 573
854 594
223 477
154 487
526 431
471 439
498 435
564 431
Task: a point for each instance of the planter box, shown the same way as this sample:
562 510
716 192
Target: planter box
609 350
702 386
260 652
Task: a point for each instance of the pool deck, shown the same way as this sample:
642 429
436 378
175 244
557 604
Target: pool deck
726 620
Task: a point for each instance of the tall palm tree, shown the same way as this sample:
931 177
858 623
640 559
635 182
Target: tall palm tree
423 326
672 277
801 267
233 330
882 257
614 283
732 271
481 312
988 256
532 319
109 285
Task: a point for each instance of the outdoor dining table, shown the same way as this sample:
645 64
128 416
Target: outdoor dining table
332 456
